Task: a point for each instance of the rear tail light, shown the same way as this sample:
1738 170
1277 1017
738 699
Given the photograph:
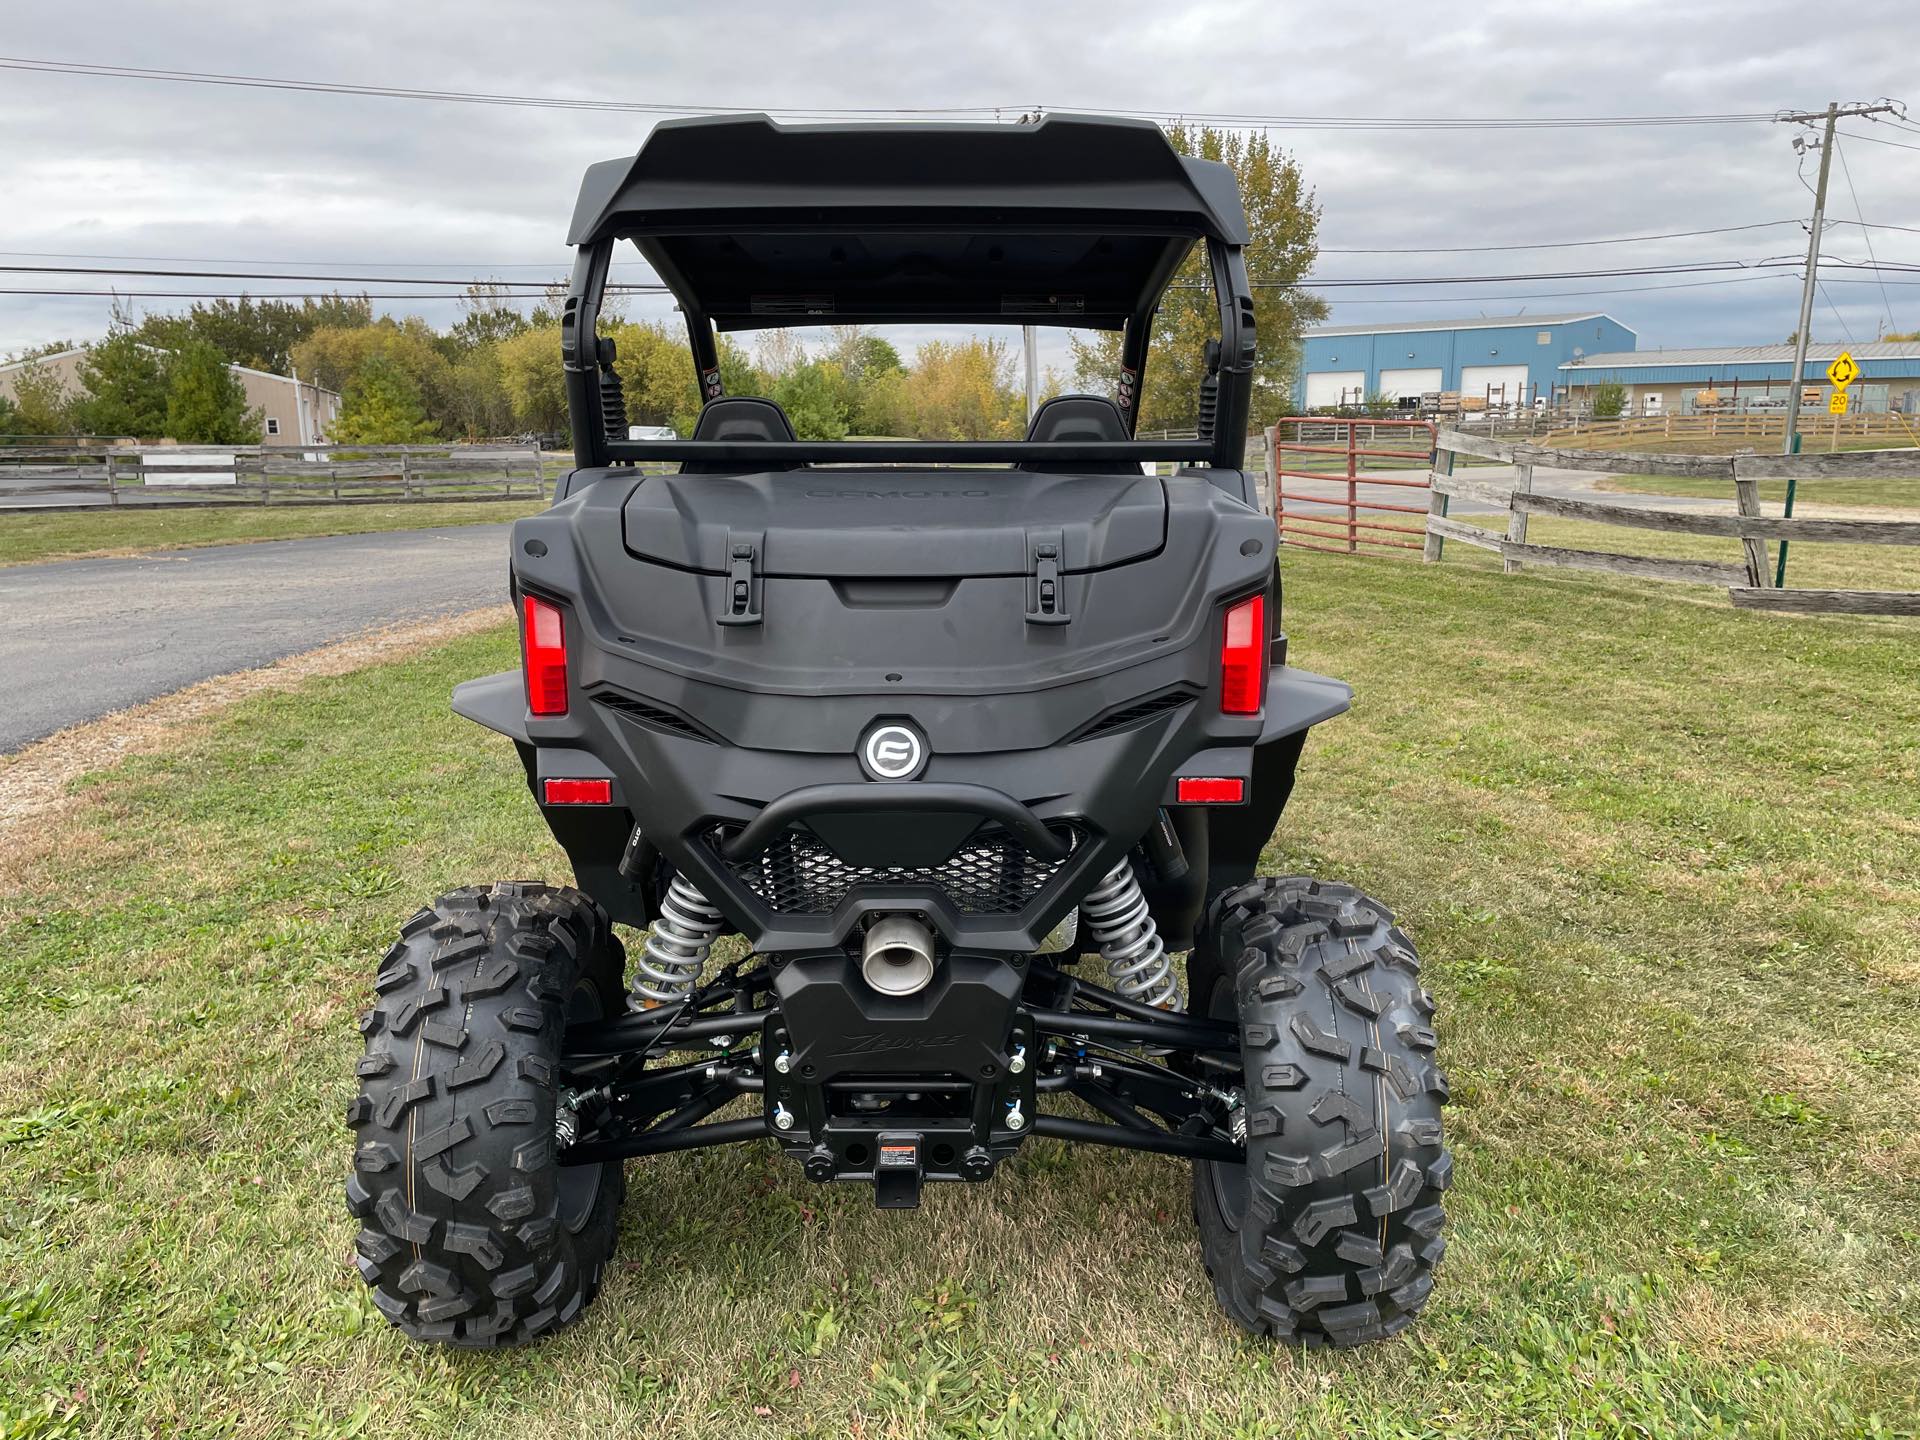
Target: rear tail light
1243 657
545 647
1209 790
579 792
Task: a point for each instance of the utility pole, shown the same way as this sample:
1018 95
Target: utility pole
1832 116
1030 351
1791 443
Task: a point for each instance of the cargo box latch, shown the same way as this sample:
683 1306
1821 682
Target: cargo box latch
743 578
1046 599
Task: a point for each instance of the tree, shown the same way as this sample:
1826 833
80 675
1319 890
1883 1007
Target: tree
963 390
332 355
655 366
656 374
382 406
124 386
818 399
1283 221
778 351
488 315
1609 401
873 370
41 404
206 404
9 416
260 334
535 385
477 396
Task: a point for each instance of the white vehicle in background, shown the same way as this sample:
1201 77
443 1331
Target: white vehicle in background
652 432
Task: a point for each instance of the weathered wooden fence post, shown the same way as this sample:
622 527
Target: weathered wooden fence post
1746 499
1437 506
1517 517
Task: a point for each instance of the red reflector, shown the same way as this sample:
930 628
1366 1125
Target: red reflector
1243 657
1206 789
579 792
545 646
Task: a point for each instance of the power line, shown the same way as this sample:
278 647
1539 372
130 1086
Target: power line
549 265
513 286
1876 224
1846 172
235 294
1405 300
1230 119
1881 140
1252 121
523 289
538 287
1551 244
462 97
1836 312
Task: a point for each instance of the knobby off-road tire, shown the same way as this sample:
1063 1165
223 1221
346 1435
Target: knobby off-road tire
472 1234
1330 1232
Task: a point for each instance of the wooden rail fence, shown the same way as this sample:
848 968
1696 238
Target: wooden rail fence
49 479
1746 580
1755 427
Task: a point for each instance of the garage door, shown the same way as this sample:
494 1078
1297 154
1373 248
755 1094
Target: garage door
1339 387
1486 382
1400 383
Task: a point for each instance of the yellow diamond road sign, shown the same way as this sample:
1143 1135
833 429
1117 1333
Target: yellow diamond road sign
1837 403
1843 372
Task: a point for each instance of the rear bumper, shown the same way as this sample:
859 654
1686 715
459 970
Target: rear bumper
1062 815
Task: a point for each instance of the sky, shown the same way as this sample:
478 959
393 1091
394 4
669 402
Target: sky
115 167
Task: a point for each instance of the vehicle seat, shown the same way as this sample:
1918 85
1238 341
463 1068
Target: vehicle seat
1079 417
739 417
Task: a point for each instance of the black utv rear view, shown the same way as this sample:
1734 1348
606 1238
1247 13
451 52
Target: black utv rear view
965 740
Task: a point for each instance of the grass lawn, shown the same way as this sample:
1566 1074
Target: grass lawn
26 537
1875 491
1663 858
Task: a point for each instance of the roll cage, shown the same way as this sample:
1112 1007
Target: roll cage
1064 221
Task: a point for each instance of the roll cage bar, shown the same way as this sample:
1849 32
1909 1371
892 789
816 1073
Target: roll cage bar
598 439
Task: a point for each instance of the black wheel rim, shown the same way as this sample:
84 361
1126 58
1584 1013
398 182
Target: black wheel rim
1228 1183
579 1185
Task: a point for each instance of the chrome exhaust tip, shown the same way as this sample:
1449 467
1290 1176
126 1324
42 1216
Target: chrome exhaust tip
897 957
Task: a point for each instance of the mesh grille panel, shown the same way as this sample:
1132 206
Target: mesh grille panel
992 874
1136 713
649 714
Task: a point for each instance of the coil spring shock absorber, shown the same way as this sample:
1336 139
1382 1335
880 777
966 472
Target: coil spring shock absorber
677 946
1121 924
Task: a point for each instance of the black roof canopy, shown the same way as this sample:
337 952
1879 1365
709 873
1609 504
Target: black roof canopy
1063 221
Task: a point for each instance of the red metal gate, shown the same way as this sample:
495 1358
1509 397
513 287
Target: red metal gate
1331 453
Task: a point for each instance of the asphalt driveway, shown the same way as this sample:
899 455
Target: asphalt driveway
86 637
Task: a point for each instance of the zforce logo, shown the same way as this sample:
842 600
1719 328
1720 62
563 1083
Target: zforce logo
893 751
881 1043
898 494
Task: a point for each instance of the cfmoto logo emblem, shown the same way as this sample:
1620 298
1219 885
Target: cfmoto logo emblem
893 751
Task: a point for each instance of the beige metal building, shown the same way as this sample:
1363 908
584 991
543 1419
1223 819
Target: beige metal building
1742 378
294 411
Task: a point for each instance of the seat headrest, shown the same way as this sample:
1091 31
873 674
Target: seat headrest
1078 417
739 417
742 417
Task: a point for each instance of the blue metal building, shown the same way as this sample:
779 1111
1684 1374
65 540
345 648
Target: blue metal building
1505 361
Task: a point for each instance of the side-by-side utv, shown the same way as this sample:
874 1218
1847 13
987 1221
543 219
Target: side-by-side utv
966 740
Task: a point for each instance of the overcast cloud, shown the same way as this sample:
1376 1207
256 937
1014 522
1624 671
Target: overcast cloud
127 167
